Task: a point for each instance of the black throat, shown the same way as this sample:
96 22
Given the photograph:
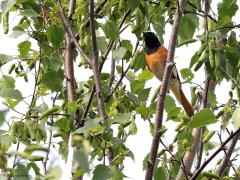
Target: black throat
151 41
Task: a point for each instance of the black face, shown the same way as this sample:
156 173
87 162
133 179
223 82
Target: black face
152 42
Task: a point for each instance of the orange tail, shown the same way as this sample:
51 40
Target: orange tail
177 91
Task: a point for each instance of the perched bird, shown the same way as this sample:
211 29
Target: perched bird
156 58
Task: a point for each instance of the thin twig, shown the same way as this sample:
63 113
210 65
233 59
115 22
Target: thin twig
195 175
96 74
67 25
163 91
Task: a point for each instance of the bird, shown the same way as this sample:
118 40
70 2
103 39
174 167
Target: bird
156 59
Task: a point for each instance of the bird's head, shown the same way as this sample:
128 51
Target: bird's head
151 41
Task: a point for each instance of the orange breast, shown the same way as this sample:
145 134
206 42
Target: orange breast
157 61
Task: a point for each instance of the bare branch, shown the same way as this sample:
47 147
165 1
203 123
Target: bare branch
95 63
67 26
226 159
163 90
195 175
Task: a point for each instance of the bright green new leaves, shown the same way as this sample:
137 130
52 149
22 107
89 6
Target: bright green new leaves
188 25
122 118
53 80
111 30
227 8
236 118
187 74
160 173
102 172
91 126
24 48
55 35
7 88
202 118
102 44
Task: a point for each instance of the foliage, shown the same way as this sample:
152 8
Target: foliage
44 119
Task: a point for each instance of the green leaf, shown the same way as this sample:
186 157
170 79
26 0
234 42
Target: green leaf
6 6
72 107
119 53
21 172
102 44
54 173
81 159
102 172
122 118
187 74
53 80
227 8
140 62
236 118
30 13
11 93
117 174
5 58
133 3
185 141
55 35
173 113
137 86
212 99
7 82
143 110
24 48
133 128
133 98
145 75
169 103
159 28
191 22
160 173
144 94
111 30
89 125
2 116
202 118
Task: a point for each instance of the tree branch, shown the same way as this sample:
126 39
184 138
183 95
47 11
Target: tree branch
67 26
195 175
226 159
95 63
163 90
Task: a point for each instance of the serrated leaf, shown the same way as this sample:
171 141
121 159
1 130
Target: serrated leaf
4 58
133 128
55 35
143 110
80 158
236 118
111 30
202 118
102 172
160 173
137 86
119 53
143 94
24 48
